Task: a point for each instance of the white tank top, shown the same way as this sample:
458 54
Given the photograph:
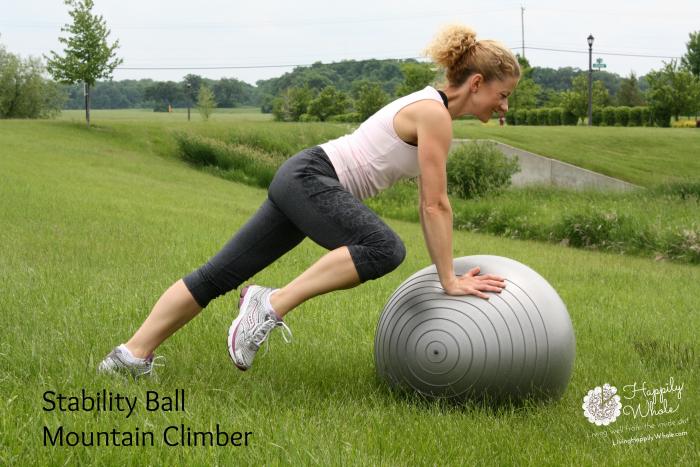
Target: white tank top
373 157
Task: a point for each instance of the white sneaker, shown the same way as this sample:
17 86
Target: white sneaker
120 360
252 326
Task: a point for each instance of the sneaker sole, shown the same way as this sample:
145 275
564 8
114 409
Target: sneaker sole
234 328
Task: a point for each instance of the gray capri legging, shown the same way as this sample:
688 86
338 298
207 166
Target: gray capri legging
305 199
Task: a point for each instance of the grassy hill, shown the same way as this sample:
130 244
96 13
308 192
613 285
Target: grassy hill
96 224
643 156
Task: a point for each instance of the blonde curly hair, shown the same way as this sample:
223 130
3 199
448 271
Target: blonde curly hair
456 49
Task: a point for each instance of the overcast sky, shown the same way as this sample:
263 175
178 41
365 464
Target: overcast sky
257 36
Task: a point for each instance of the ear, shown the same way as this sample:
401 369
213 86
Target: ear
475 82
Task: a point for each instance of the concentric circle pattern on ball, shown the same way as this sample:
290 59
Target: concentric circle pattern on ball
518 343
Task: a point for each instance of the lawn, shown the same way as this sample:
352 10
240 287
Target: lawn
96 224
643 156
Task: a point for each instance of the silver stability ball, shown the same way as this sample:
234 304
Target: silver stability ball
519 343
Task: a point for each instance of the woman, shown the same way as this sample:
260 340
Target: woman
317 194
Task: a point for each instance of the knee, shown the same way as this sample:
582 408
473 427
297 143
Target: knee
396 253
389 253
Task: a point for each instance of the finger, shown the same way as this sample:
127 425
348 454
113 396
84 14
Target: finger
490 288
501 285
493 277
479 294
474 271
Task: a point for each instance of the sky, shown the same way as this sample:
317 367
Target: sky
262 39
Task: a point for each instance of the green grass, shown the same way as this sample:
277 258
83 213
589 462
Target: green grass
95 225
643 156
660 222
177 115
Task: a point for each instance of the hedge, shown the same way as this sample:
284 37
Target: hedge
608 116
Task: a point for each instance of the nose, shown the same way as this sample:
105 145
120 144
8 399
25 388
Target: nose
504 105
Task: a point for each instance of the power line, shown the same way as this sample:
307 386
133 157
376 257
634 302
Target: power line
248 67
600 53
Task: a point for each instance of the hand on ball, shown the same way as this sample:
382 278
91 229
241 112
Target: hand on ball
472 283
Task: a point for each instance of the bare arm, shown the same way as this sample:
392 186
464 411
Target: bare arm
434 129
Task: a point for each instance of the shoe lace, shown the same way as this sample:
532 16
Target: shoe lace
158 361
262 330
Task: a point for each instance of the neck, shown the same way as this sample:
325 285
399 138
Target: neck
458 98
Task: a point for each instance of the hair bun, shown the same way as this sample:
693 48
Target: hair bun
451 43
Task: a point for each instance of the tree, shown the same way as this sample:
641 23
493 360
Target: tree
163 94
416 77
369 97
329 102
205 102
525 93
292 104
691 59
24 93
673 91
88 57
576 100
629 93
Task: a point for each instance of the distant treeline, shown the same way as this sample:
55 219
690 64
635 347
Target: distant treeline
343 76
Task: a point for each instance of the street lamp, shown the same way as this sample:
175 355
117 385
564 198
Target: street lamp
590 79
189 94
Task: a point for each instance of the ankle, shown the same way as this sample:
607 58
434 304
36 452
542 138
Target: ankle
276 303
136 351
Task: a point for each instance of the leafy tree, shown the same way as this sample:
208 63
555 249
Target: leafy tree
576 100
691 59
329 102
629 93
205 102
163 94
24 93
292 104
416 77
369 97
525 93
673 91
88 57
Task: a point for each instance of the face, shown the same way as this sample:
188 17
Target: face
490 97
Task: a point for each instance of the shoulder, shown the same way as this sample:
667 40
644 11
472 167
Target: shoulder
433 122
432 112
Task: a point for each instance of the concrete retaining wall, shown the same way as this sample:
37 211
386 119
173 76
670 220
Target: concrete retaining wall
540 170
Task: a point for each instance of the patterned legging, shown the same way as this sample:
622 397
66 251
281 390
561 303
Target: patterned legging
305 199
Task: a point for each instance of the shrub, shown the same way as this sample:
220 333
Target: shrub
510 117
569 118
554 116
661 117
609 116
684 124
646 116
542 116
521 117
235 161
597 116
475 169
532 117
352 117
308 118
593 229
622 115
683 190
635 116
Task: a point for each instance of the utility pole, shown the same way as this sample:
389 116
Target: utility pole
590 79
522 27
189 98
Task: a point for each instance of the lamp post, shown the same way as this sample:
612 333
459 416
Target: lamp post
590 79
189 96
